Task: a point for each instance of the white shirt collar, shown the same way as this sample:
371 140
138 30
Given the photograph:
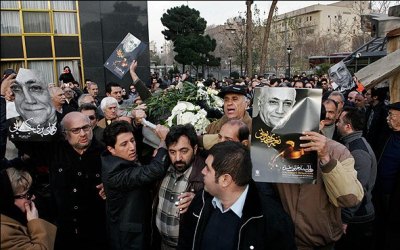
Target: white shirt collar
237 207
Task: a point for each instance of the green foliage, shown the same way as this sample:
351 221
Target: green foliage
185 28
159 106
322 68
182 21
235 75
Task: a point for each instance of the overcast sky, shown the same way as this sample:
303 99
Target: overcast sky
215 12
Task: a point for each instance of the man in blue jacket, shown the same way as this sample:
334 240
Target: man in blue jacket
230 213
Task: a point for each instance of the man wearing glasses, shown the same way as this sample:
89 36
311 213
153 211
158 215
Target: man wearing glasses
75 177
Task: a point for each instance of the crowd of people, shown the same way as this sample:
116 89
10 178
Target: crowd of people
95 184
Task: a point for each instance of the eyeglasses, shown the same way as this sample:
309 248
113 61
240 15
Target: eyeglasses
28 195
85 128
91 117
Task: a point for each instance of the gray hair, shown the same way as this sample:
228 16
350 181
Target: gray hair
107 101
20 180
337 93
80 99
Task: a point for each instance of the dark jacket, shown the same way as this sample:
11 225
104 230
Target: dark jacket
128 204
79 210
366 167
373 134
195 184
264 224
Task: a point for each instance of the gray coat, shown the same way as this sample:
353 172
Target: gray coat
366 167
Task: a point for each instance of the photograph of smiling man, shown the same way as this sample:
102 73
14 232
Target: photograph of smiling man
280 116
37 116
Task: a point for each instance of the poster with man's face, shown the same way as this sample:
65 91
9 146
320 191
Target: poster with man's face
341 77
37 116
280 115
128 50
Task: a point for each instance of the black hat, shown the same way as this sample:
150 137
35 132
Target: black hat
395 106
237 89
9 72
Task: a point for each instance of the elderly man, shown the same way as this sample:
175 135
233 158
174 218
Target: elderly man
126 184
358 221
58 100
93 90
275 106
75 168
109 106
86 98
33 104
235 103
230 213
386 195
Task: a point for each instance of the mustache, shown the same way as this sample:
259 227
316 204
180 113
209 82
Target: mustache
179 162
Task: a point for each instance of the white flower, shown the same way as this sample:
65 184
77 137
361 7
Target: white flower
186 112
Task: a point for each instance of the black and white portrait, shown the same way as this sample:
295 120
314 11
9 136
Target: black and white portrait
341 77
280 116
128 50
37 116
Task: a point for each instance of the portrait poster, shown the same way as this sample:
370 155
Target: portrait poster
35 118
128 50
280 115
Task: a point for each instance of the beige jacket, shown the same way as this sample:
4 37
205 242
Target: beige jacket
315 208
39 234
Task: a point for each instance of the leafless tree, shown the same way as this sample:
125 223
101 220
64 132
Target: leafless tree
249 33
266 37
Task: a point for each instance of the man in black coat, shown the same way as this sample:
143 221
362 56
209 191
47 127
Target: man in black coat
231 213
75 168
127 186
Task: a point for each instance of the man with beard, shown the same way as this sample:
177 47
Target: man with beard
182 181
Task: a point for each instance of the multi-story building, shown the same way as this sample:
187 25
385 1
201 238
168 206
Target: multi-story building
340 21
48 35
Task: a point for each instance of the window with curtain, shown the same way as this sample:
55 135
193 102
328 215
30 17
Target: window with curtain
63 5
45 68
15 65
65 23
10 22
36 22
9 4
73 65
37 5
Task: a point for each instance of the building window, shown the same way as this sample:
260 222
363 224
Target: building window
36 22
65 23
10 22
63 5
310 18
45 67
37 5
9 5
49 32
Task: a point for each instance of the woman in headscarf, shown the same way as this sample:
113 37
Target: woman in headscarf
66 76
21 227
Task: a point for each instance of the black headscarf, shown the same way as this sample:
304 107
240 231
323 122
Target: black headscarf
7 206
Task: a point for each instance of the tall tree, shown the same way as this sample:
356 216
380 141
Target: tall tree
264 49
185 28
249 34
